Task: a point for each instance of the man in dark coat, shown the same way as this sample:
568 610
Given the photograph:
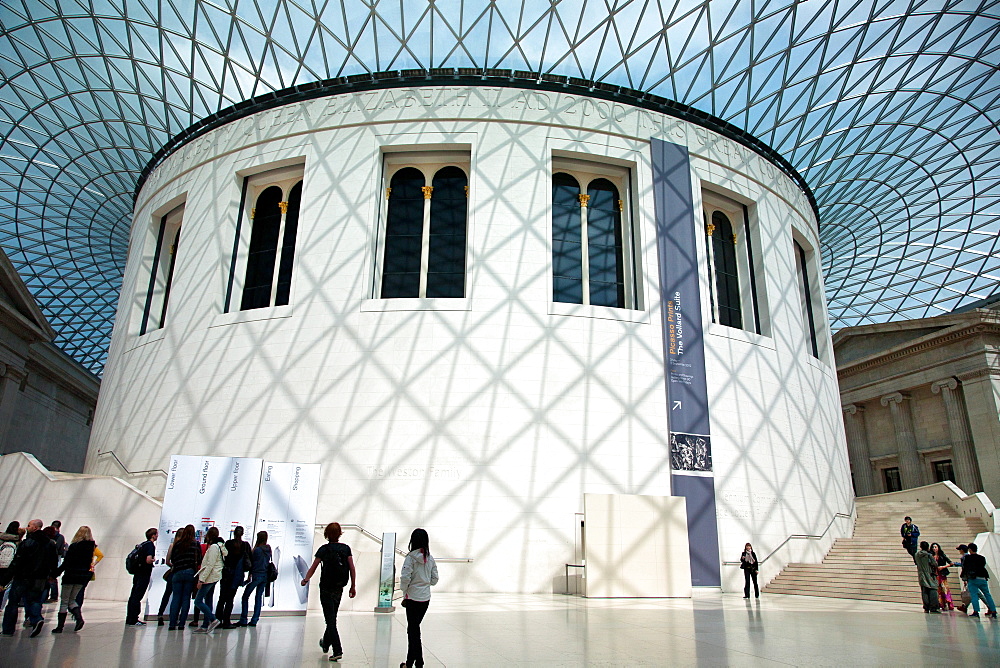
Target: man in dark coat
927 574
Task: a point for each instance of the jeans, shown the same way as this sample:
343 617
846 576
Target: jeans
180 600
140 583
415 611
79 594
977 587
167 593
330 599
224 610
258 583
26 592
203 601
747 574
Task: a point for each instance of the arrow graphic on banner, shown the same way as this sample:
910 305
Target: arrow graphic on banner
677 404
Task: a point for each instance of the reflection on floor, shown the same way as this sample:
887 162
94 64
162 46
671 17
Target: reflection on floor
501 630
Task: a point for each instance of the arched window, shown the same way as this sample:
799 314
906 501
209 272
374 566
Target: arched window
567 247
425 231
727 275
446 243
263 250
591 255
604 245
404 229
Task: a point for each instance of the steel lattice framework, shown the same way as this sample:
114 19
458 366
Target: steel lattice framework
889 109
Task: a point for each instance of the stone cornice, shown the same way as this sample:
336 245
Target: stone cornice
906 350
985 372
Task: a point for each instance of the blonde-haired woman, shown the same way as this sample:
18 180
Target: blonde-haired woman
76 573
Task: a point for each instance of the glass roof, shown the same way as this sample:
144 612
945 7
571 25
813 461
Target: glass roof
888 109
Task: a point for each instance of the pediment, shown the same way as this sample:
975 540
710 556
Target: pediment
17 305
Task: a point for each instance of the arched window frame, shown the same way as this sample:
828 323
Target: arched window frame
429 164
285 179
586 173
749 302
166 231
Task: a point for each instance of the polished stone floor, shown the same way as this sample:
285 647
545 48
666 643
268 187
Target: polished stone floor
711 629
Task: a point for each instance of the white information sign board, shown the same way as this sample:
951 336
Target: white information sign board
205 492
287 512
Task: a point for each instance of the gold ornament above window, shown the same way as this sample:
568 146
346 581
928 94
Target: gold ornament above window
427 190
583 199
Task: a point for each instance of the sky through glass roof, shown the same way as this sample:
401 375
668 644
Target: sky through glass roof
888 109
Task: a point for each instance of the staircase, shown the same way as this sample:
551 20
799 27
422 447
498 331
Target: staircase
873 565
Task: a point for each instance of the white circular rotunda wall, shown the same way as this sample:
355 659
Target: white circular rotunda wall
483 418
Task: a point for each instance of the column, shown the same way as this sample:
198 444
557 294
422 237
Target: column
10 380
910 472
966 469
857 449
981 393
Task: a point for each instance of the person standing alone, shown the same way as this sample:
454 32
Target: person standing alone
910 533
338 566
419 574
750 566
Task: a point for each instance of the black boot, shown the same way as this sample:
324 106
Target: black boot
78 616
62 623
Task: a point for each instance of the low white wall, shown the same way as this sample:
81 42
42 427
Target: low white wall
117 513
968 505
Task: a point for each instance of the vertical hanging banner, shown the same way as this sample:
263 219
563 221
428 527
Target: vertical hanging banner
205 492
684 355
287 512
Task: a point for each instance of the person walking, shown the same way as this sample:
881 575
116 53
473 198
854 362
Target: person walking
184 562
974 570
236 563
260 559
927 574
963 551
338 567
34 564
750 566
208 575
419 574
9 540
76 573
140 579
944 592
910 533
52 591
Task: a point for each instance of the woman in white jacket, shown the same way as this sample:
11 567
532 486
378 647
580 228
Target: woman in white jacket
208 575
419 574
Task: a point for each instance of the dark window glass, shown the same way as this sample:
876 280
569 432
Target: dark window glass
807 298
170 276
943 470
567 246
288 246
891 478
446 252
604 245
404 228
727 278
263 250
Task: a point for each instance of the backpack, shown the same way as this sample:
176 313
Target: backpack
7 551
340 574
132 560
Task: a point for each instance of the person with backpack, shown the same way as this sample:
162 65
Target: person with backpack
34 564
76 573
139 563
237 563
419 574
338 567
260 570
8 547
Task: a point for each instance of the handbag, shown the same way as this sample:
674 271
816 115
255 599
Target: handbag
168 574
272 572
405 602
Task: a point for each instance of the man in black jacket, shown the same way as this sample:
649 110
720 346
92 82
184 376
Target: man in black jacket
975 573
34 564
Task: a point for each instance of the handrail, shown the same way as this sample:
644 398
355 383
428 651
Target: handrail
368 534
796 535
124 468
